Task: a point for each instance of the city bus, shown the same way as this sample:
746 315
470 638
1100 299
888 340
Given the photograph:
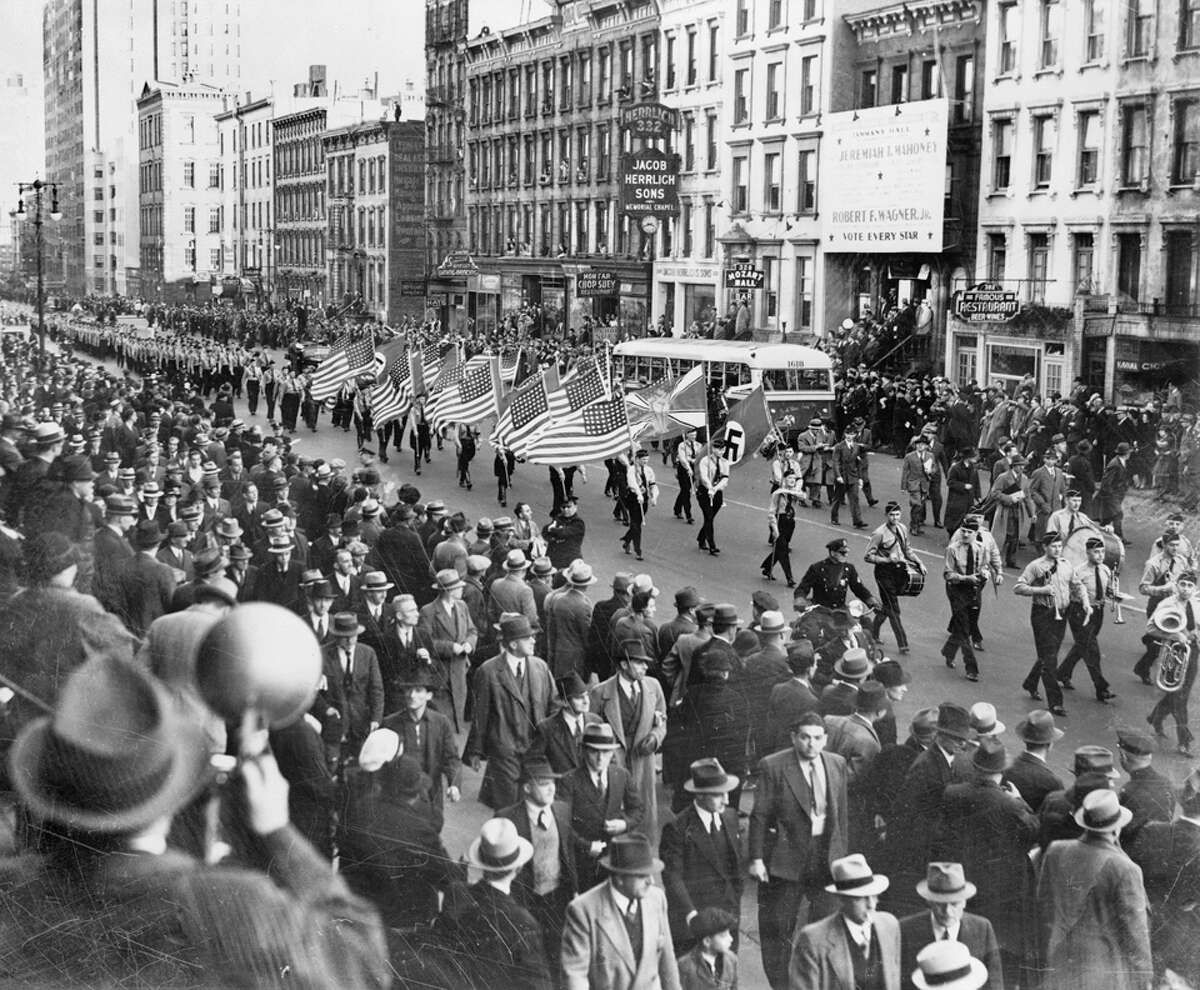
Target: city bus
797 380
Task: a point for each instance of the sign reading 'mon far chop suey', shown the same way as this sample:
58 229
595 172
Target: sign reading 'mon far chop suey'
883 178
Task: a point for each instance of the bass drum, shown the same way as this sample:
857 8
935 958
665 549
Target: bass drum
914 583
1075 548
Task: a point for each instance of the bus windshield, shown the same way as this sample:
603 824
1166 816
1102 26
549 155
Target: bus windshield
795 379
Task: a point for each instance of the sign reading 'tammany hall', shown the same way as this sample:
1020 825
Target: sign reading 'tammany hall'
882 178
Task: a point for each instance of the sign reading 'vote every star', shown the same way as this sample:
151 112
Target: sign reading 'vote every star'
883 178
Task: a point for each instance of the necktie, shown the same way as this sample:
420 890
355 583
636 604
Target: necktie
816 790
321 629
945 935
520 671
541 824
866 944
576 731
970 559
633 926
714 825
1099 588
1074 522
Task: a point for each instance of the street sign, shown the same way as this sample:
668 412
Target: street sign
650 183
596 283
743 277
649 120
458 264
987 302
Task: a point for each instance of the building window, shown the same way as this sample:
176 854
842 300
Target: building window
1002 141
189 219
810 10
214 259
188 129
602 244
931 80
1179 273
741 96
899 83
685 227
808 85
1010 31
1140 28
1089 148
189 175
742 18
689 142
604 151
773 182
807 182
1039 265
964 89
770 288
690 74
1189 24
585 79
774 14
1050 19
714 51
214 219
669 57
1093 29
1185 161
710 229
997 257
1129 266
774 91
1082 263
1135 140
804 293
1043 150
741 183
868 91
710 153
214 175
604 74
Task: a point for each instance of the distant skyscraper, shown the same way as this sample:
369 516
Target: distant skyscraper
97 57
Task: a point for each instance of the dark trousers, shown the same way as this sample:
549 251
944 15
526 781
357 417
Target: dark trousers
637 512
683 501
1175 704
289 410
1086 646
381 436
269 392
963 598
780 903
709 507
1116 520
889 579
781 550
849 492
252 387
935 501
1146 660
1048 635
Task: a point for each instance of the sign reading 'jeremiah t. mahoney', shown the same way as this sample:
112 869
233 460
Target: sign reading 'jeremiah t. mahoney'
882 176
650 183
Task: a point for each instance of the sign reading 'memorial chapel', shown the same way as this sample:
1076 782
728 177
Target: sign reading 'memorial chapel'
881 172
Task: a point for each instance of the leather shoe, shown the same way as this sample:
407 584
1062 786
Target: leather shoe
1059 711
977 645
1066 685
714 550
1034 695
972 677
1105 696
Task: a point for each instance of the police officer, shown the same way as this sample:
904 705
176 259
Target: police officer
827 581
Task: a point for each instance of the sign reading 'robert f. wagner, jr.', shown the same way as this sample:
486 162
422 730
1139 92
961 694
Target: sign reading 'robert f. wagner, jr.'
650 183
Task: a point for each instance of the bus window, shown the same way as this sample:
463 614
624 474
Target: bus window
796 380
658 369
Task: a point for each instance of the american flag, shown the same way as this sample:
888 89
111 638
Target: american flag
526 413
597 431
429 364
473 397
392 397
510 364
584 385
352 355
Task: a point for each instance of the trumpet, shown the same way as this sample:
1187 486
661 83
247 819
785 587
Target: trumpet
1117 598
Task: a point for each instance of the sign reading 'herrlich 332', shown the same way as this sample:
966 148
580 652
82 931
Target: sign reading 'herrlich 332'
649 120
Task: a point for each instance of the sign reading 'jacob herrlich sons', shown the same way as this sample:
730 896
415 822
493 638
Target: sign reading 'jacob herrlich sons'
882 174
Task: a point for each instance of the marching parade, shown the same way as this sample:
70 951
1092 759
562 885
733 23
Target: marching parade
505 524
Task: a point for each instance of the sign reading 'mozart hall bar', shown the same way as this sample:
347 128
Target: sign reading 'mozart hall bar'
882 175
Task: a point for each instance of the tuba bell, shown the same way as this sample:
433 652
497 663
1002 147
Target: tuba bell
1174 656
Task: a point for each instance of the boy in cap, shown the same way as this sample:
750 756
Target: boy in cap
710 964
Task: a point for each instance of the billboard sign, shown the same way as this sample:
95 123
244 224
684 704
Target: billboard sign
744 277
882 174
458 264
649 120
650 183
596 283
987 302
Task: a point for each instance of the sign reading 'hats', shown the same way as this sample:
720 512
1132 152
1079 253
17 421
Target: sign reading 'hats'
650 183
987 302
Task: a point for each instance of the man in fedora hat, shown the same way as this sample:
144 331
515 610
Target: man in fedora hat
793 697
798 827
427 736
617 933
1030 772
404 649
945 891
762 670
1094 767
448 624
1092 907
105 774
855 739
559 738
356 668
949 965
240 571
857 945
498 942
112 551
636 708
1114 484
600 660
318 609
27 482
854 667
146 585
510 592
703 865
568 613
604 801
546 884
513 691
278 579
373 588
401 555
986 825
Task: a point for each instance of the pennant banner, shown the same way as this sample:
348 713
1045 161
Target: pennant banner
669 407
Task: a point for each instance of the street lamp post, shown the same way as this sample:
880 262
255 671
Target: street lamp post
37 187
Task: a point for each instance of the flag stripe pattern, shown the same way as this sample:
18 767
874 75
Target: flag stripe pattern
429 365
472 398
392 398
528 411
353 354
597 431
583 386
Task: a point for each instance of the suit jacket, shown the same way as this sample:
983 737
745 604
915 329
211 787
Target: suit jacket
568 618
1114 483
440 760
1169 855
498 941
179 559
112 554
590 809
568 846
913 478
849 461
599 648
1033 778
401 555
788 701
349 600
1150 797
447 629
398 663
821 954
505 715
780 826
1046 492
916 809
554 741
280 587
596 951
694 976
512 595
146 589
700 870
362 687
854 741
974 931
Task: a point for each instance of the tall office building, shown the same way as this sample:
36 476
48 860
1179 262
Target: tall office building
96 59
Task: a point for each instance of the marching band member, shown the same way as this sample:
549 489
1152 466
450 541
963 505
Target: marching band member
1175 703
890 552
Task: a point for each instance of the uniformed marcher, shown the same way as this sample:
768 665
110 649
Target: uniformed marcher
967 569
1098 578
1175 703
827 581
893 556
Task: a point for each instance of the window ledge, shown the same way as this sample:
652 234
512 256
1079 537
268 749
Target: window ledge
1149 58
777 29
1133 190
1007 77
1043 191
1182 53
741 125
692 88
999 194
1102 64
1096 190
1049 70
775 120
